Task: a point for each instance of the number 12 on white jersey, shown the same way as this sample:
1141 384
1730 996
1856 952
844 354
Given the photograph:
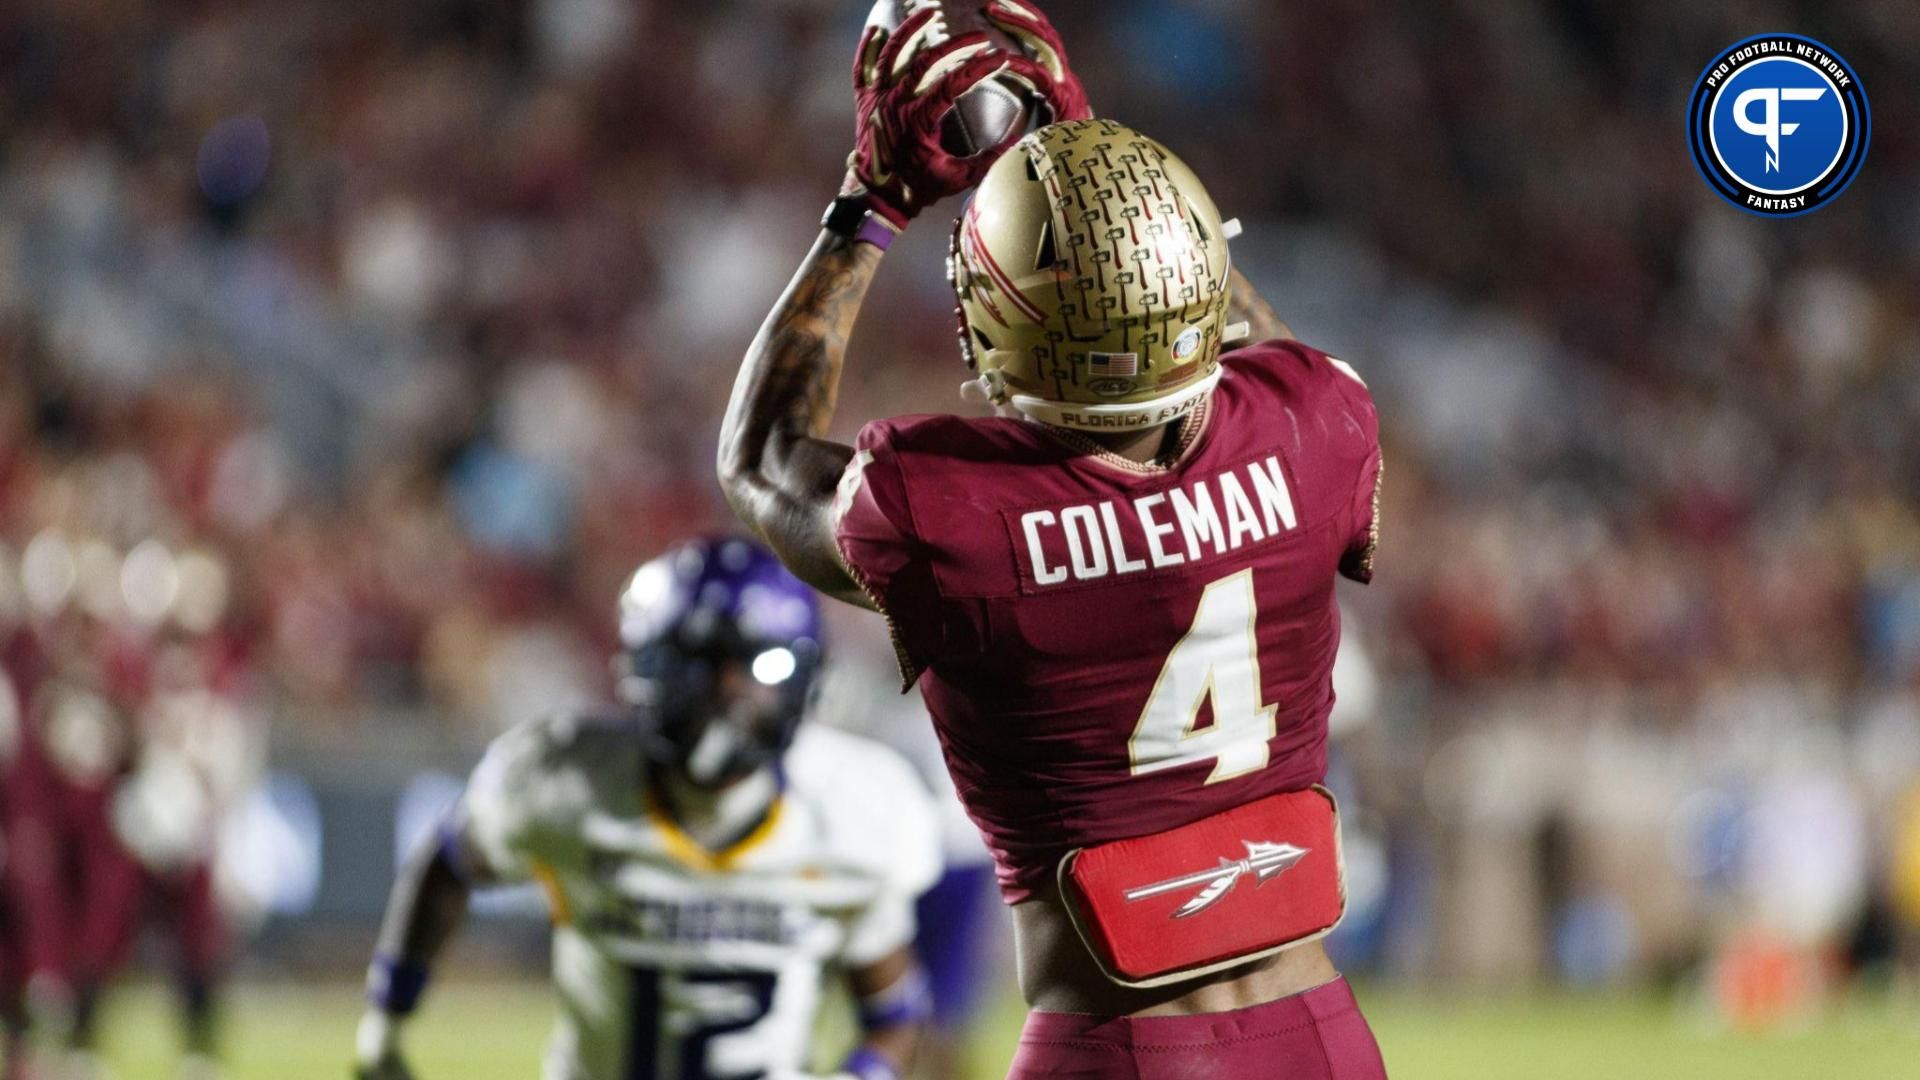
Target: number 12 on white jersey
1219 658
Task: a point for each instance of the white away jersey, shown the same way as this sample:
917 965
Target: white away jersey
673 962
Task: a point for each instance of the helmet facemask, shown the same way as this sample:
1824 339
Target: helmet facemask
717 712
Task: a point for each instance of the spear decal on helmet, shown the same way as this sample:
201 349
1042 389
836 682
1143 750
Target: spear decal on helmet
1264 861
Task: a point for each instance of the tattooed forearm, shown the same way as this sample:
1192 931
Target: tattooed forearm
803 353
790 380
1245 304
777 472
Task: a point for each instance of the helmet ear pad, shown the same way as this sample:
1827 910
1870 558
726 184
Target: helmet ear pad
1097 294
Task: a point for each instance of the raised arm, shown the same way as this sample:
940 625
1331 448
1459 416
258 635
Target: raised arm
778 474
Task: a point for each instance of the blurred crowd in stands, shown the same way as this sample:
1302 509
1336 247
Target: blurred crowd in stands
383 339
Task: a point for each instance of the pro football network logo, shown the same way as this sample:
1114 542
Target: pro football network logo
1778 125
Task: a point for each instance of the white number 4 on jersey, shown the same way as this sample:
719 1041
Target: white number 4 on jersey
1219 658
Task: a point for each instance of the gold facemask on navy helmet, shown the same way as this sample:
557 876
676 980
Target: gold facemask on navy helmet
1091 271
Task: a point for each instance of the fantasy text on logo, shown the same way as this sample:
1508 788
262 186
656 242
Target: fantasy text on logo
1778 125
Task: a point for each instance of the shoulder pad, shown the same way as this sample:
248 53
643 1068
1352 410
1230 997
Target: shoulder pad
877 811
536 781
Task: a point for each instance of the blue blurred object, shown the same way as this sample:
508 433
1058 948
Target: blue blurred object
420 808
1891 614
1182 50
233 159
271 845
1709 836
511 504
1594 940
952 942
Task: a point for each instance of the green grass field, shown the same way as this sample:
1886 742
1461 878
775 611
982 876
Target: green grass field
495 1032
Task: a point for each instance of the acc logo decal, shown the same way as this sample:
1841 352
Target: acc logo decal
1778 125
1264 860
1188 341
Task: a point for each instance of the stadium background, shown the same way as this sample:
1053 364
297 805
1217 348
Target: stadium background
362 348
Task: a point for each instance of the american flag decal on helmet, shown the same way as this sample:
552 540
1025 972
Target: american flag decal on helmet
1113 365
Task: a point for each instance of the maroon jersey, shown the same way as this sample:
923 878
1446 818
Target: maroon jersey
1113 649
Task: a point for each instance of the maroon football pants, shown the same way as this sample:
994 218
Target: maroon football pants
34 892
1315 1035
117 895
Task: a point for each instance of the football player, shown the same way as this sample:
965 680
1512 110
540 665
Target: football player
1118 595
705 855
22 804
36 904
144 822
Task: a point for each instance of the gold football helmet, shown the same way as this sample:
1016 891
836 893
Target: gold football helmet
1091 271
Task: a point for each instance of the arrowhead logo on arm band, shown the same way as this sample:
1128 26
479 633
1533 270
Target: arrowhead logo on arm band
1264 861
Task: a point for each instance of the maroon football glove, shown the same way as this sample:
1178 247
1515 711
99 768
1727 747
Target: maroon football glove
904 82
1061 89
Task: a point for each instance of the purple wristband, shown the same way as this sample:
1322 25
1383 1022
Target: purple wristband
852 217
394 986
875 230
908 1001
869 1064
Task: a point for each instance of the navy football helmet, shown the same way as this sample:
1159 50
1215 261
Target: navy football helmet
720 653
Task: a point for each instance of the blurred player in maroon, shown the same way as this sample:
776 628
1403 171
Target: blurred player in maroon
144 833
136 740
1119 594
33 902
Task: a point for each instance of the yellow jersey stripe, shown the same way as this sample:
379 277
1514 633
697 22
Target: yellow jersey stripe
688 852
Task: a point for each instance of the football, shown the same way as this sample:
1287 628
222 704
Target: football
987 116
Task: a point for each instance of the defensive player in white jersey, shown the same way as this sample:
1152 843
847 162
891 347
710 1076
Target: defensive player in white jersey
707 858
